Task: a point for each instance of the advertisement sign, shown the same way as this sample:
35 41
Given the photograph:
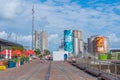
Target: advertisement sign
68 40
99 44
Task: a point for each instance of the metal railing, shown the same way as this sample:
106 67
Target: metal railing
48 72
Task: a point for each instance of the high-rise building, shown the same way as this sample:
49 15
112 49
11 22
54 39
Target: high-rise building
37 39
78 42
43 40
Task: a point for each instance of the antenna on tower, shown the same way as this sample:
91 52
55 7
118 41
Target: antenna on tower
32 24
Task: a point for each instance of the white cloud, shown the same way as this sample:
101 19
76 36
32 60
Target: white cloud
53 37
9 8
14 37
114 38
3 34
24 38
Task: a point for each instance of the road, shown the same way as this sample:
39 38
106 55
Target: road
39 71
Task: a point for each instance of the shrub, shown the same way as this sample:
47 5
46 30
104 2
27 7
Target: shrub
118 56
109 55
102 57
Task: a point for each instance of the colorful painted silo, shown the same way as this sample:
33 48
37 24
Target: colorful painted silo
68 40
100 46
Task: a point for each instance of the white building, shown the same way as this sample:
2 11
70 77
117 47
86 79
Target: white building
43 40
37 39
59 55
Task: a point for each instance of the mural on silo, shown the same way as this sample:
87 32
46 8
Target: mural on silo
68 40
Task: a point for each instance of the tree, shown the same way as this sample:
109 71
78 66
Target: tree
118 56
17 48
46 52
109 55
37 51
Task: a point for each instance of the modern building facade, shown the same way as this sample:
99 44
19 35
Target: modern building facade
43 40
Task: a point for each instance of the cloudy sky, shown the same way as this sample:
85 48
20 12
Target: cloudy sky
92 17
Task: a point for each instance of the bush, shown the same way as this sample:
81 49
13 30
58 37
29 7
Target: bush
102 56
109 55
118 56
22 59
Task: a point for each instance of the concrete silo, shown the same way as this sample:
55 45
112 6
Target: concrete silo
99 44
81 46
68 41
91 45
78 42
76 46
106 44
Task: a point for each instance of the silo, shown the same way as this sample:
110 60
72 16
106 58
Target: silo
81 46
77 42
99 43
68 40
106 44
77 34
76 46
91 45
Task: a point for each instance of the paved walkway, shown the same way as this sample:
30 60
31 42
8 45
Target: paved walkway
38 71
64 71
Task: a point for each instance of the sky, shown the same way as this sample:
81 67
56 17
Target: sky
92 17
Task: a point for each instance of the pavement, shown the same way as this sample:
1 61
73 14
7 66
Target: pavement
39 71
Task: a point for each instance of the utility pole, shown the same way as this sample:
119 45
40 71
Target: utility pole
32 26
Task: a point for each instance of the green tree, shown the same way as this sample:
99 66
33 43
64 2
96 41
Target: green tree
118 56
46 52
17 48
109 55
37 51
102 56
